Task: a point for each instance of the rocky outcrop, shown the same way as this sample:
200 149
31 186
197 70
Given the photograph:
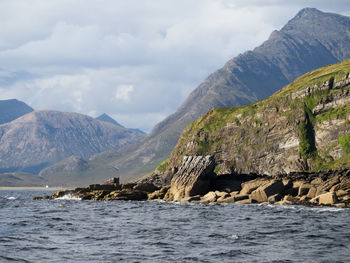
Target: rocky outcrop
193 178
106 192
331 188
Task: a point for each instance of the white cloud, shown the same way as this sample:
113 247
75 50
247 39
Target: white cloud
123 92
135 60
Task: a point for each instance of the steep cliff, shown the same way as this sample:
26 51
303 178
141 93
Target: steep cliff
305 126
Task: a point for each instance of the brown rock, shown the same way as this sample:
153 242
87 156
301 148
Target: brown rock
317 181
230 199
250 186
263 192
327 199
312 192
209 197
234 193
158 194
193 177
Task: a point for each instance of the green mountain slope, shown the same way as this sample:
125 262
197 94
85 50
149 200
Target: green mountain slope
304 126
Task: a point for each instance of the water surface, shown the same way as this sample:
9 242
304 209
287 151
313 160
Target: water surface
92 231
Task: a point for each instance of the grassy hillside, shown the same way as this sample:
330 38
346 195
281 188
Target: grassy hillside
236 135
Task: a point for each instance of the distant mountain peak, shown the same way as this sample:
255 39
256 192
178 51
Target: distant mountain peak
106 118
12 109
308 11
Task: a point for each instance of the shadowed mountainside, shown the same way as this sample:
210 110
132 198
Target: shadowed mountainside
12 109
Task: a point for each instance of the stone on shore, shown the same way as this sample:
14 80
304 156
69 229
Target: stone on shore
250 186
262 193
327 198
193 178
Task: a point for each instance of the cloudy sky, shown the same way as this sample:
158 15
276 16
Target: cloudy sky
136 60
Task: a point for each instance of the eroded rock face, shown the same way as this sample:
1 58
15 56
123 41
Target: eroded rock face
193 177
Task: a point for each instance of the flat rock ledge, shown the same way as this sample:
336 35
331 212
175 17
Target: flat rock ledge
331 188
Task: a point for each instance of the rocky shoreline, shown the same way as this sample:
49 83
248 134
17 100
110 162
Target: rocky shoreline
196 182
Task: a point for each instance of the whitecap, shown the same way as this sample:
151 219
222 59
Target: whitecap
11 198
69 197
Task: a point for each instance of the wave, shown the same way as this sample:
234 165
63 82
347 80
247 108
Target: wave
69 197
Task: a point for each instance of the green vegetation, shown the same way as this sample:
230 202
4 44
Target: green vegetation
344 142
335 113
162 167
251 126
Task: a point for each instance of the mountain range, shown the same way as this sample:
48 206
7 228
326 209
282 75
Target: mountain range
310 40
41 138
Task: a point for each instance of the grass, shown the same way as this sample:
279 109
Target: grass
344 142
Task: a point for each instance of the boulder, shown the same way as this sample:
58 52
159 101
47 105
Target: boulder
209 197
312 192
229 199
193 177
327 198
262 193
250 186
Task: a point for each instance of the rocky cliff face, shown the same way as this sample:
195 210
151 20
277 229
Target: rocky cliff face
310 40
12 109
305 126
41 138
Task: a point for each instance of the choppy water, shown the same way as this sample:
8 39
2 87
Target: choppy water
118 231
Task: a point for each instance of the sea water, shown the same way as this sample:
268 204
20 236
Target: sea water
124 231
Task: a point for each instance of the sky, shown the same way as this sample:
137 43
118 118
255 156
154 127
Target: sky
136 60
